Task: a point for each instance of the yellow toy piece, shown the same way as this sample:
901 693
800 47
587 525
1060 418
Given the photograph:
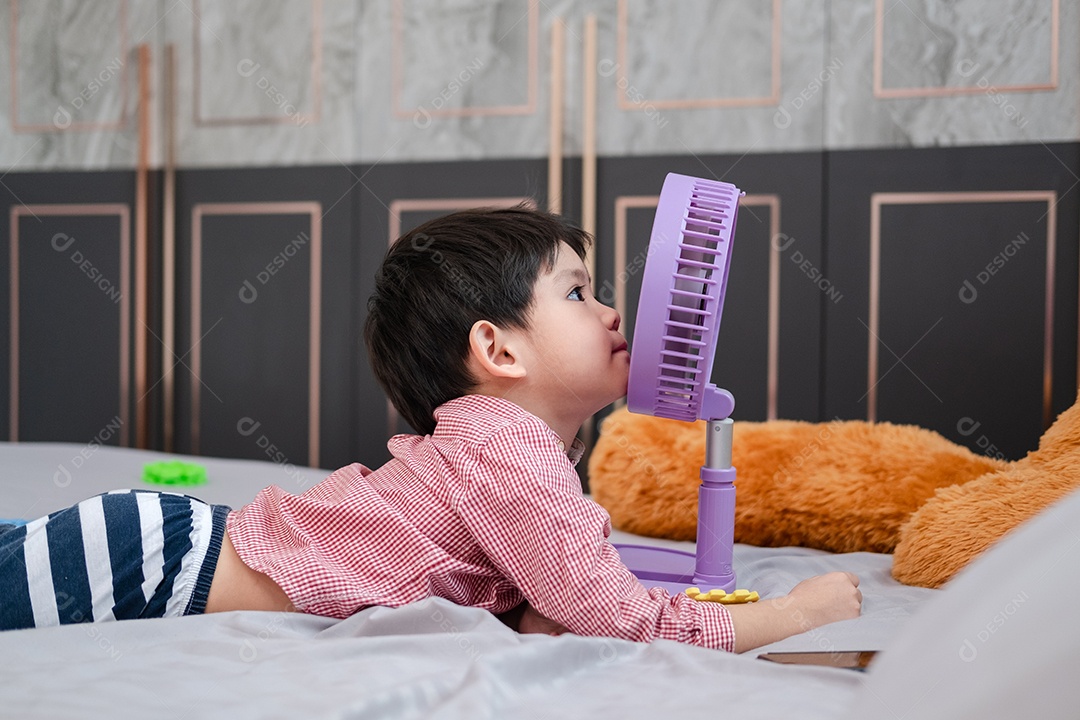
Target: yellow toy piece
738 597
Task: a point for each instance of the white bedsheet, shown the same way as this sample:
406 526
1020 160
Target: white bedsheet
430 659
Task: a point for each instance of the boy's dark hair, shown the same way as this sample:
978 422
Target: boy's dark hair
437 281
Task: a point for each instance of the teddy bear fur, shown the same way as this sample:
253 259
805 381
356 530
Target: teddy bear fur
961 521
843 486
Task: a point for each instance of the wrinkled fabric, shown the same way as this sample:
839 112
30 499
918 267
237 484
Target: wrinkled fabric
432 659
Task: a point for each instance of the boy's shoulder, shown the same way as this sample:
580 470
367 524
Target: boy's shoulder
476 419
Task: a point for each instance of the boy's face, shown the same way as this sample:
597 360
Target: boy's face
576 350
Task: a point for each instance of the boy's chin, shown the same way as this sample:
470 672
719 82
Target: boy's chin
617 398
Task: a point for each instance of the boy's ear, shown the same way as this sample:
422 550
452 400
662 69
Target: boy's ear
495 351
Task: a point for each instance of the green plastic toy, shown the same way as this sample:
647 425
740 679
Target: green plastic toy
174 472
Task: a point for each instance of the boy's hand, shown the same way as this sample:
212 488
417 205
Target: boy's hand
814 602
827 598
533 622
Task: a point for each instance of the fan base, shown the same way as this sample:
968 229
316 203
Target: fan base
672 570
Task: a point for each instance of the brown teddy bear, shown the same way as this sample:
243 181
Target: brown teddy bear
843 486
961 521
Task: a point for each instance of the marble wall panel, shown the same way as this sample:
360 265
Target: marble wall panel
287 82
970 72
69 82
711 77
59 79
459 80
268 83
264 83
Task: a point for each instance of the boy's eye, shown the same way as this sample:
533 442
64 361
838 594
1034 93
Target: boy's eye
576 294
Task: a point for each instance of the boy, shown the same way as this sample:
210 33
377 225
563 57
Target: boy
485 335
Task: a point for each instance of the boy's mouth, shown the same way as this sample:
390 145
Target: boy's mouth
620 347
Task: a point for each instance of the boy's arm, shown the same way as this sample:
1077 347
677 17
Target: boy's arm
524 619
523 504
525 508
817 601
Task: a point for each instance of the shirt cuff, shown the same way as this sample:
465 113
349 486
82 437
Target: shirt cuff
719 629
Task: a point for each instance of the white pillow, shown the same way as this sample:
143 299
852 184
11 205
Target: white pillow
1001 640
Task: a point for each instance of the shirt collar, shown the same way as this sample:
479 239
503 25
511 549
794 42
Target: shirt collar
461 415
577 449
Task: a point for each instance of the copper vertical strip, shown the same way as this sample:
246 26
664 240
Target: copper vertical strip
875 307
125 318
315 338
196 62
125 321
777 55
879 52
555 119
13 64
1048 332
168 252
773 381
88 209
1055 41
196 325
619 258
397 58
588 140
317 56
13 363
772 374
623 203
314 211
772 361
877 200
622 31
142 266
588 169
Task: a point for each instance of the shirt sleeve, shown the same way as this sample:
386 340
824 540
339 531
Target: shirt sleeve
522 501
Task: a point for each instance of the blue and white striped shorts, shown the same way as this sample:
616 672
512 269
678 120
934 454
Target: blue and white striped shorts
122 555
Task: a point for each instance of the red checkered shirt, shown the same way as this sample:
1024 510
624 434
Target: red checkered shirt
487 511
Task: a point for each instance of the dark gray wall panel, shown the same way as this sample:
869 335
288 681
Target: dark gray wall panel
256 358
963 362
70 306
253 344
977 376
70 318
972 370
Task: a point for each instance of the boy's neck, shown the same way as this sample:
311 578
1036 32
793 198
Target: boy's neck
565 427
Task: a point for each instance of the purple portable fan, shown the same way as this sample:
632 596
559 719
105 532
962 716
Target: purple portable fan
678 320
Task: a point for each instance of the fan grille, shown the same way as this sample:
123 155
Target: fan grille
695 299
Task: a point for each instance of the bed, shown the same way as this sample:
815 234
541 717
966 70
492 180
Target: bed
434 659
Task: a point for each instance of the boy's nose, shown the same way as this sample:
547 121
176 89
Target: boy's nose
611 318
